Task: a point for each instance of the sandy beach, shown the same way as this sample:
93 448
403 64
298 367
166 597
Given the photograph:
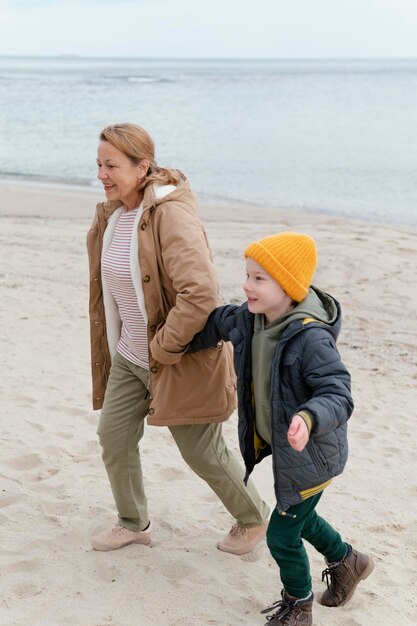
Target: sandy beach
54 491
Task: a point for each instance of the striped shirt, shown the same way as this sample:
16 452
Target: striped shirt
133 342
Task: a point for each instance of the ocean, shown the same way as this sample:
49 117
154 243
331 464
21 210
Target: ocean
337 137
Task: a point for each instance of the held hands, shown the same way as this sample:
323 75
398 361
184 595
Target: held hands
298 434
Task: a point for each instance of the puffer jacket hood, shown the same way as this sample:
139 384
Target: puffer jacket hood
317 306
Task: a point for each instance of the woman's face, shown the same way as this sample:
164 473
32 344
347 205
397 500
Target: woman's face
120 177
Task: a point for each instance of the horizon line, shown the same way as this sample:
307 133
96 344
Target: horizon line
69 56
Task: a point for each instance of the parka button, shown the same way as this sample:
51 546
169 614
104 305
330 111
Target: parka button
146 278
151 411
154 369
152 329
143 226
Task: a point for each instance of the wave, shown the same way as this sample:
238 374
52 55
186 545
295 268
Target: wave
28 178
146 79
45 78
141 79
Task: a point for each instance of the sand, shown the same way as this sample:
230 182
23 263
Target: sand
54 492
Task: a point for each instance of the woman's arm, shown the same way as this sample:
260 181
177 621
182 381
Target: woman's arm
189 266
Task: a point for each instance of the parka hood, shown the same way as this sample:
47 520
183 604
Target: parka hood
156 194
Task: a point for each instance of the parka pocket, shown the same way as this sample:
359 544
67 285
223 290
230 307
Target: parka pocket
318 457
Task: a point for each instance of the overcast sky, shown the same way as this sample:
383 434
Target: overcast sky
210 28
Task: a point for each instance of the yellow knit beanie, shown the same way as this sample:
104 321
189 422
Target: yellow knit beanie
290 258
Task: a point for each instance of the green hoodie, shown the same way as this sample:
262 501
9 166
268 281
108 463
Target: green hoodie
316 305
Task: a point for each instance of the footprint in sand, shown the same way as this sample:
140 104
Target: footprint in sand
91 419
24 400
8 498
39 427
179 570
56 507
68 410
25 462
27 590
90 447
63 435
257 554
26 565
172 473
7 483
44 474
367 435
387 528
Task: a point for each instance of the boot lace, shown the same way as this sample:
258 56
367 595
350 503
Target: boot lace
285 613
334 582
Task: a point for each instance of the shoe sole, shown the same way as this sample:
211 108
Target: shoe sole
366 572
236 552
103 548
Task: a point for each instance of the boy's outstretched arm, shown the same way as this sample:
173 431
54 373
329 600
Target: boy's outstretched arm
331 403
219 323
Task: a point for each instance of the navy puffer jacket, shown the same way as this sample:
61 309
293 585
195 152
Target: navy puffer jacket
307 375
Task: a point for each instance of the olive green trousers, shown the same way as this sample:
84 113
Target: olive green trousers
121 427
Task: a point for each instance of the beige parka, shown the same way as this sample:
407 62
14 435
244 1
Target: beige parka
180 288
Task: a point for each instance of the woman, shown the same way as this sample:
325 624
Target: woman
152 287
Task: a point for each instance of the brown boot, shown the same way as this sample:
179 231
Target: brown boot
291 611
342 577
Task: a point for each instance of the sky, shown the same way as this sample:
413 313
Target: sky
210 28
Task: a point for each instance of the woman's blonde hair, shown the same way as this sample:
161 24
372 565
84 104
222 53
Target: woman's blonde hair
137 144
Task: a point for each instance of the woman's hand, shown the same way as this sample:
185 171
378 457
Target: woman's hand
298 434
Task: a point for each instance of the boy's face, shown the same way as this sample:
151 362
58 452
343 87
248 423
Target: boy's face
263 293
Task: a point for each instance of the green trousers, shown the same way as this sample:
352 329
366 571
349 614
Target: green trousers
284 538
203 448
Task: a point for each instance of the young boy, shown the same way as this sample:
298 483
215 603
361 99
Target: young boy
294 402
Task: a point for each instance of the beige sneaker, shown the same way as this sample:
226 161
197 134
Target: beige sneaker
118 537
241 540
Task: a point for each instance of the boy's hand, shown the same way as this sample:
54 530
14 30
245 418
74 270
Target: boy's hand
298 434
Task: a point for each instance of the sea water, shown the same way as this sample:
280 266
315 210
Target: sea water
338 137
